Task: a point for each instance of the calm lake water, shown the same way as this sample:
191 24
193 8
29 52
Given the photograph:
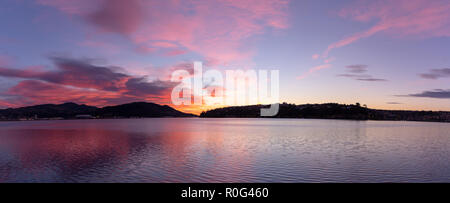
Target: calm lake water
224 150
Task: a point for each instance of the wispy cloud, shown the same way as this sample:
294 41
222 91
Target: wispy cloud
81 81
436 73
72 72
371 79
101 45
356 72
4 60
215 29
437 94
356 68
312 70
394 103
415 18
329 60
118 17
354 38
175 52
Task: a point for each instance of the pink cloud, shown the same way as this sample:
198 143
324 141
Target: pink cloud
164 44
118 16
404 18
104 46
354 38
312 70
315 56
73 73
329 60
169 48
37 92
81 82
33 92
82 74
215 29
175 52
144 49
4 60
79 7
7 104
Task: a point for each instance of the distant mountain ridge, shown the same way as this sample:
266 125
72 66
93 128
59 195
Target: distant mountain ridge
329 111
141 109
148 110
72 110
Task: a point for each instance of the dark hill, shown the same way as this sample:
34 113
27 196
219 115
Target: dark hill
329 111
140 109
72 110
66 110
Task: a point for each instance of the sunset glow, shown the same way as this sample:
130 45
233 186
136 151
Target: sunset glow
387 54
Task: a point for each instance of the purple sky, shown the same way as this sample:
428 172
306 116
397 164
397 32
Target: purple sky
391 54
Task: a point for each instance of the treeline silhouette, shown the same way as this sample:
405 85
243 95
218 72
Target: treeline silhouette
328 111
148 110
73 110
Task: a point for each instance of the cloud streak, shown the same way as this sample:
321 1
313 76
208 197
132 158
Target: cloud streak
394 103
413 18
215 29
357 72
436 74
80 81
312 70
436 94
72 72
118 17
4 60
357 68
371 79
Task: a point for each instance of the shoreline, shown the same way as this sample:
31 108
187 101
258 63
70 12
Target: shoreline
198 117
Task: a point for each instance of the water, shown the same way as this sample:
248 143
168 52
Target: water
224 150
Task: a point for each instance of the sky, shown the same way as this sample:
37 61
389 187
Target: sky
387 54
